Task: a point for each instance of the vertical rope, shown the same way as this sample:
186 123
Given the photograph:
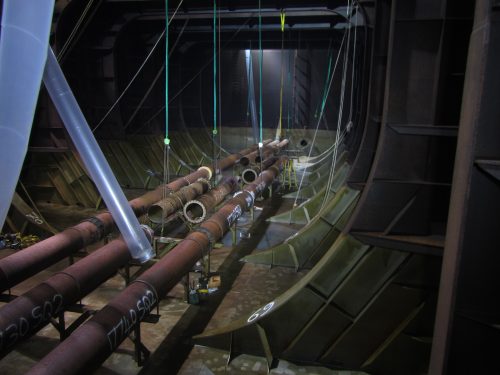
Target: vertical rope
319 119
341 109
166 148
220 96
214 130
282 19
167 140
260 76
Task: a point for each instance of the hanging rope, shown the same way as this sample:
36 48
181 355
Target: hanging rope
340 114
260 77
319 119
282 19
325 86
188 83
138 70
289 88
214 130
166 141
220 95
75 30
248 83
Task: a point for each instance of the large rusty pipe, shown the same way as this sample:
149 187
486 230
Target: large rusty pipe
159 211
195 211
266 151
94 341
27 262
31 311
250 174
231 160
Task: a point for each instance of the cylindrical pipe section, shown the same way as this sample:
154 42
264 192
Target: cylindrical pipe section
249 175
195 211
30 312
23 51
235 158
94 160
262 154
94 341
158 212
27 262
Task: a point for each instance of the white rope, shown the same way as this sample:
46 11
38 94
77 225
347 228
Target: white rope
319 120
138 71
331 176
74 31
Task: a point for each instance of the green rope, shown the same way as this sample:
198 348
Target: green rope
289 101
325 91
260 75
167 140
325 88
214 131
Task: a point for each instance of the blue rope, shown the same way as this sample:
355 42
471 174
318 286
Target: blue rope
167 140
214 131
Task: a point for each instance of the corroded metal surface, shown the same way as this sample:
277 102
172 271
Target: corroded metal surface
92 343
159 211
306 247
195 211
306 211
354 289
27 262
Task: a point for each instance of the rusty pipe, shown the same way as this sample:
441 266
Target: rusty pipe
94 341
250 174
27 262
31 311
195 210
159 211
270 149
232 159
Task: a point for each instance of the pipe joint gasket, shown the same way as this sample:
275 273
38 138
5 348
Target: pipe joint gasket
208 170
249 199
149 285
191 219
77 284
150 234
204 180
196 242
210 237
99 224
167 190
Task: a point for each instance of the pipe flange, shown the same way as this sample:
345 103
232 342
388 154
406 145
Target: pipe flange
208 170
249 199
150 233
210 237
249 171
200 218
167 190
201 179
99 224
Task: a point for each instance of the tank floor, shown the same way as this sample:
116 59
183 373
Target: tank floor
245 287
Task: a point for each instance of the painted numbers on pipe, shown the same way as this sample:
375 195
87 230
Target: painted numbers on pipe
25 325
134 316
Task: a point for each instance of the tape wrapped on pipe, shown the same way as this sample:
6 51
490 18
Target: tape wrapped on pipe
249 199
